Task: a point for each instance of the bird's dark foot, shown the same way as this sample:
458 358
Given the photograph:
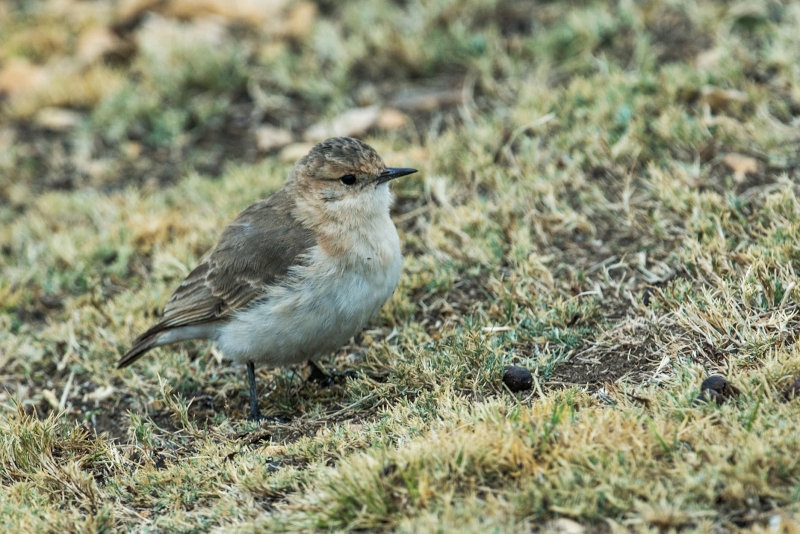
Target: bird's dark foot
256 417
326 380
318 375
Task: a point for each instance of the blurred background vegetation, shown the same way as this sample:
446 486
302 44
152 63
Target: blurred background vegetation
117 93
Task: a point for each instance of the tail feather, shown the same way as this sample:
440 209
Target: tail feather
159 335
140 346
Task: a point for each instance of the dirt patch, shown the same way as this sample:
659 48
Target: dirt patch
620 264
627 348
442 312
595 368
110 419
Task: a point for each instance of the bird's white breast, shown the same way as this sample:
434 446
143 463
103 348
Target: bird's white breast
321 304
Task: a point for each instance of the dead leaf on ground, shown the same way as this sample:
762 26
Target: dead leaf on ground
300 21
19 77
295 151
392 119
269 138
719 99
567 526
741 165
428 100
101 394
74 88
708 59
94 43
352 122
57 119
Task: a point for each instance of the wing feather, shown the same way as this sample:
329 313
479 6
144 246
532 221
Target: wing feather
254 251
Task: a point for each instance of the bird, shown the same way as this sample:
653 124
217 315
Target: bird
296 274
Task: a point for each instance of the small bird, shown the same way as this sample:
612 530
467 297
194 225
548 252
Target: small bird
296 274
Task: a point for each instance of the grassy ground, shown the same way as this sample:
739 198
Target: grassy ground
608 196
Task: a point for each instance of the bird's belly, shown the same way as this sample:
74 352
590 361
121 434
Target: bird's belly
309 317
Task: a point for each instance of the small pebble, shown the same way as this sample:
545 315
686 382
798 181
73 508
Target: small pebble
517 378
793 391
716 388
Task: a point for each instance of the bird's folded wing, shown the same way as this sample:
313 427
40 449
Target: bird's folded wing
254 252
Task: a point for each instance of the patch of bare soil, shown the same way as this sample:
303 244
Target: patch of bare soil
110 418
626 349
442 312
597 366
622 263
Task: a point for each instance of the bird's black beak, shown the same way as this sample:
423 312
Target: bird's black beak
392 173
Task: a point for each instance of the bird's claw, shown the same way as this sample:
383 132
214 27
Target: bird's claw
326 380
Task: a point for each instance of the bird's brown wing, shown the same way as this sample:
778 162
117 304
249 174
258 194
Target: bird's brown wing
254 251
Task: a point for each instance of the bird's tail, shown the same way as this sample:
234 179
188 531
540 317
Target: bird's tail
160 334
141 345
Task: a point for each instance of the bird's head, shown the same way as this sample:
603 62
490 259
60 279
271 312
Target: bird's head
344 177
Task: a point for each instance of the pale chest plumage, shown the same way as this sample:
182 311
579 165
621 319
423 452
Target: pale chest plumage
320 304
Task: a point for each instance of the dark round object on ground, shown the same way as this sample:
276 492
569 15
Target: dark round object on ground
715 382
517 378
793 391
716 388
709 395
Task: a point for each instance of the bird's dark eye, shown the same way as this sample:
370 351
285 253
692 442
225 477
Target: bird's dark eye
348 179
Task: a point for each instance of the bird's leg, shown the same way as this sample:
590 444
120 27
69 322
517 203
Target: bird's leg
255 414
320 376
